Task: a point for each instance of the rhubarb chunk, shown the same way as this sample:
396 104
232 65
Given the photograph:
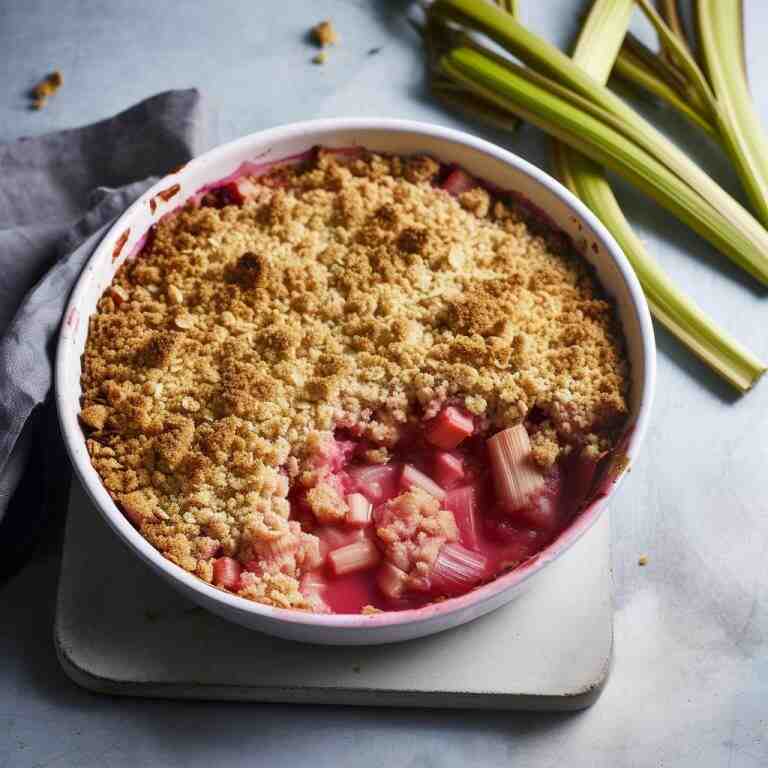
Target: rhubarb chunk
413 478
226 573
359 510
449 428
377 482
449 469
463 503
332 536
516 478
459 181
359 556
457 569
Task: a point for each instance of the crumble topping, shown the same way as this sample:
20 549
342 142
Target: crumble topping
413 528
347 292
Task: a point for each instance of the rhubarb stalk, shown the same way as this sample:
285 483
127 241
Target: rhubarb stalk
414 478
515 476
720 28
562 99
457 569
605 31
359 510
358 556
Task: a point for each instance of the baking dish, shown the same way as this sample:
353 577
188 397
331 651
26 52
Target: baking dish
482 159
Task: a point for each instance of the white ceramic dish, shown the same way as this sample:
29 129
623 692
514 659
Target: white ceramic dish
480 158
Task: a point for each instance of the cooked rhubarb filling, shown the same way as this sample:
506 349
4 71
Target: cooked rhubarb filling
352 383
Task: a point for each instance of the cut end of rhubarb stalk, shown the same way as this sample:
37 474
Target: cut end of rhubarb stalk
449 469
226 573
516 478
457 569
359 556
449 428
413 478
359 510
459 181
377 482
463 503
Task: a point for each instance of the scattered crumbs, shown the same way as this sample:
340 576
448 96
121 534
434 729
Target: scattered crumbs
356 669
642 560
374 51
320 58
45 88
324 34
370 610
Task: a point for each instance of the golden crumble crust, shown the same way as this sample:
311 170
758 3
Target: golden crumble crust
346 292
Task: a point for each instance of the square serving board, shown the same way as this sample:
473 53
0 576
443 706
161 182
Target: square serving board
120 629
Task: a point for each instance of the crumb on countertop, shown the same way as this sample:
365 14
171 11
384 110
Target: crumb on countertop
642 560
324 34
320 58
45 88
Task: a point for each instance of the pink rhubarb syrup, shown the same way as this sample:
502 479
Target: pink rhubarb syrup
447 457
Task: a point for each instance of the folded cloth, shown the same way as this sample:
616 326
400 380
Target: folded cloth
59 193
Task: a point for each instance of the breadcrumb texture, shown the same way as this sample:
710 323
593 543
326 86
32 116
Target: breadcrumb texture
352 292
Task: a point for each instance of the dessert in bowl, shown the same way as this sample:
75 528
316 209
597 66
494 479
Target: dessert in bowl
354 381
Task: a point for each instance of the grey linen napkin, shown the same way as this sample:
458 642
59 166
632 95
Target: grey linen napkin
58 195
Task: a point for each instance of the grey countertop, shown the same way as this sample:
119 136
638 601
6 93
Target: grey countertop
690 680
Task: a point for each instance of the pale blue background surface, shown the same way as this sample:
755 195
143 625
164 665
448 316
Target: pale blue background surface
690 683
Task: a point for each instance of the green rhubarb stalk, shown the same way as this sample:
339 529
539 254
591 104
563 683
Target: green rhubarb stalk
632 70
472 106
510 6
449 92
669 306
662 68
540 102
604 31
671 15
720 25
721 42
733 229
679 55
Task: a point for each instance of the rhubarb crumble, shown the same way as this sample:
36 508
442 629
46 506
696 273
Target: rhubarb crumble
352 382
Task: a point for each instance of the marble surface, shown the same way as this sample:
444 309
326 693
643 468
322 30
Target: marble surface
690 680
